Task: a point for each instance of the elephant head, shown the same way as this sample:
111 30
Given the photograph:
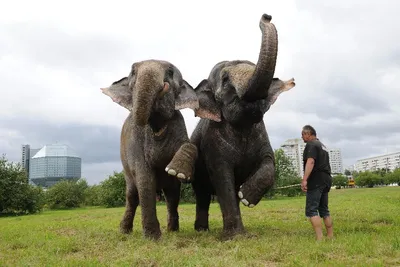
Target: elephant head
241 91
153 90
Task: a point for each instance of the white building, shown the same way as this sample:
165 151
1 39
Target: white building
335 160
294 149
387 161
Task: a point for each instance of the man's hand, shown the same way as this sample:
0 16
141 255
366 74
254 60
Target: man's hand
304 185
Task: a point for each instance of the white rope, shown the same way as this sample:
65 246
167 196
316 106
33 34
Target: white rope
293 185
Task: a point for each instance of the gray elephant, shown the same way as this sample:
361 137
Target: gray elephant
152 133
235 158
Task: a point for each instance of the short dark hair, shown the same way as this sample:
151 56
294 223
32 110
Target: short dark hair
310 129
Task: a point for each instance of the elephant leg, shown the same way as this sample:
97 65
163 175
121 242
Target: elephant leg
203 199
172 196
146 185
132 201
252 191
223 180
182 164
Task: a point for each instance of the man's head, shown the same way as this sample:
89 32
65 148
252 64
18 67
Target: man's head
308 133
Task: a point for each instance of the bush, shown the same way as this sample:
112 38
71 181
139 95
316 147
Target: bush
93 195
16 194
368 179
339 181
66 194
112 193
285 175
187 193
393 177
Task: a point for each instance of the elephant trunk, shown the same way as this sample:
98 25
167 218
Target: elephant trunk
149 87
260 81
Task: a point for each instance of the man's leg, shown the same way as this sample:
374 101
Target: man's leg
312 203
316 223
324 213
329 226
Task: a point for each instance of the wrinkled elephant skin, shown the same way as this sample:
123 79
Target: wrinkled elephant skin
152 133
236 160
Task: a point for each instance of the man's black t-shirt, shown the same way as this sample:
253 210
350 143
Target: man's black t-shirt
321 174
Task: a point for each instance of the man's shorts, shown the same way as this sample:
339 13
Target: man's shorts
317 202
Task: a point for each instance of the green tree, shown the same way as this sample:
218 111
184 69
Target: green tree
393 177
347 172
368 179
113 190
66 194
339 181
16 194
285 174
93 195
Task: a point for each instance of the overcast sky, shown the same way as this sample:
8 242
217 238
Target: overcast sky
344 56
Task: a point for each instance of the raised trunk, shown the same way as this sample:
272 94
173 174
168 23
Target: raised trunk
261 80
147 89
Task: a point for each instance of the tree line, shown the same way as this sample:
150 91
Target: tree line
18 196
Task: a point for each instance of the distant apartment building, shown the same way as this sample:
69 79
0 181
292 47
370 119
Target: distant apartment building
335 160
389 161
48 165
294 149
25 156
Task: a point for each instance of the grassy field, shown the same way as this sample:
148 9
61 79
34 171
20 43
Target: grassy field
366 221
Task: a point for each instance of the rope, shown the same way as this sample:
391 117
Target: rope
288 186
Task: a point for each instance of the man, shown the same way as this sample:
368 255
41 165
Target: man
317 181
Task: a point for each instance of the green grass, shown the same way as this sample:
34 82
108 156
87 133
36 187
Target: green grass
366 223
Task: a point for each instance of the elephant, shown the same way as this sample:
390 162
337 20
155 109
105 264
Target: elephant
153 92
235 159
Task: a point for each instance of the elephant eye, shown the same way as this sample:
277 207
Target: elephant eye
225 79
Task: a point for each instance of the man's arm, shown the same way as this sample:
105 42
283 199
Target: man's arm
307 171
311 154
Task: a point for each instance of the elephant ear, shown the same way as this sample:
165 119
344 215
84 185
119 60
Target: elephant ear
186 97
208 107
120 93
277 87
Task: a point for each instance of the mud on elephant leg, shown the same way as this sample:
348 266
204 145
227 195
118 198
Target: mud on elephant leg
172 195
182 164
252 191
132 201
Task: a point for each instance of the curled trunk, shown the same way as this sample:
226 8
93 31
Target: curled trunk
147 89
261 80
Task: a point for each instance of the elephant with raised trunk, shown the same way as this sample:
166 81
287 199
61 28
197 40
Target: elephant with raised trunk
153 132
235 158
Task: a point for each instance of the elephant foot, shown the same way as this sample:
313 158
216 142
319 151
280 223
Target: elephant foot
231 233
182 164
152 234
249 196
126 224
125 227
201 227
201 223
173 224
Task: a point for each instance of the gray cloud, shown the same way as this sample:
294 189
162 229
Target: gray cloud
93 143
344 56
